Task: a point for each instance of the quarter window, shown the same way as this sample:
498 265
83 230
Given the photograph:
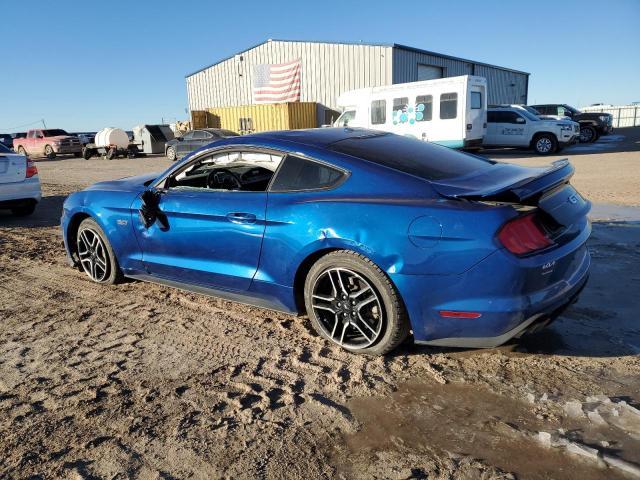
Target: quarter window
448 106
476 100
301 174
378 112
424 108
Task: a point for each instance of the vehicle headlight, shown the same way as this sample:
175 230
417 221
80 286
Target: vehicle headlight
565 128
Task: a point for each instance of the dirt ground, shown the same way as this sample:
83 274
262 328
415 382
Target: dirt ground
143 381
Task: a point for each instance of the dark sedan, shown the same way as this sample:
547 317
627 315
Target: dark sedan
194 139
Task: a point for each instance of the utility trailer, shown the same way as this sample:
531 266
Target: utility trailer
111 143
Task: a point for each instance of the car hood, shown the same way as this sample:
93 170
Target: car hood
60 137
127 184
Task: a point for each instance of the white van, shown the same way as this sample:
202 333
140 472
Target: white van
450 111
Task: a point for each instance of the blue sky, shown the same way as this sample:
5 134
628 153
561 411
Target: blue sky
85 65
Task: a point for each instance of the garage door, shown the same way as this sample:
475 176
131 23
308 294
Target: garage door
429 72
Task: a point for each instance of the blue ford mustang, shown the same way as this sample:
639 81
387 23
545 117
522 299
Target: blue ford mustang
373 235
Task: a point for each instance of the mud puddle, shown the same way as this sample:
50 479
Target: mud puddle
464 421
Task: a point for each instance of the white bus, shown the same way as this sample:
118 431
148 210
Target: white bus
450 111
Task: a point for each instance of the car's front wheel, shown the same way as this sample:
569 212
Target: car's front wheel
588 134
49 152
352 303
545 144
171 154
95 253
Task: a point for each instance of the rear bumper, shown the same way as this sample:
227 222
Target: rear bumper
19 193
511 295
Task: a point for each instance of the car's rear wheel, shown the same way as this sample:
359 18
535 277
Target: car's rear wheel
352 303
587 134
95 253
171 154
545 144
22 151
49 152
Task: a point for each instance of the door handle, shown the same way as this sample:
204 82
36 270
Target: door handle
241 217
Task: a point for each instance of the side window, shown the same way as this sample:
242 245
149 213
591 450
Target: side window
301 174
424 108
249 171
33 134
378 112
199 135
493 117
188 136
400 104
513 117
476 100
448 106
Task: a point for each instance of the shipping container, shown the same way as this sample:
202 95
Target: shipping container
246 119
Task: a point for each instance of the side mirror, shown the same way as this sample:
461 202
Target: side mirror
179 139
150 210
40 135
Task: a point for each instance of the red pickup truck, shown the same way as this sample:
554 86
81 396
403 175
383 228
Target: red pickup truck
48 143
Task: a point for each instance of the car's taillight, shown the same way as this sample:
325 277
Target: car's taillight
523 235
31 168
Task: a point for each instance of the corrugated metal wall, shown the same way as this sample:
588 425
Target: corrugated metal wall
503 86
328 69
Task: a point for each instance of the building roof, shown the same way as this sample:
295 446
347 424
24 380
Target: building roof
369 44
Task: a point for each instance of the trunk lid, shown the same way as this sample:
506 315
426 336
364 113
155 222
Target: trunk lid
547 188
13 168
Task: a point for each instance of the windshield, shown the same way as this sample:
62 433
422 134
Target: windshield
531 110
4 149
571 109
409 155
529 115
54 132
344 119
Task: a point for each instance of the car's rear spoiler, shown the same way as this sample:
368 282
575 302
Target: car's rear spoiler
547 188
507 182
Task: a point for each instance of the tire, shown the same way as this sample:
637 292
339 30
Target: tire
22 151
373 327
545 144
87 153
25 210
111 153
171 154
89 251
77 154
588 134
49 152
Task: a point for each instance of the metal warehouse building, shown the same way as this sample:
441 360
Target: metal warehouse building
329 69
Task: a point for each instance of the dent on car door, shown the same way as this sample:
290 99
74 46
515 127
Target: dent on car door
204 236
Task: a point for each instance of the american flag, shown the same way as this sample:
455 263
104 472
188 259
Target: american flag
277 83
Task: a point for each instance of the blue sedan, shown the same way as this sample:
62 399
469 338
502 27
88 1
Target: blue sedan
374 236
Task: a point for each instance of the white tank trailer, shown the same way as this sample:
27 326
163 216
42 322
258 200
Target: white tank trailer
111 143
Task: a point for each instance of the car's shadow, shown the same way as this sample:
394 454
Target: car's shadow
47 214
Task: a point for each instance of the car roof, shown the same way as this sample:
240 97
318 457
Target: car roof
319 137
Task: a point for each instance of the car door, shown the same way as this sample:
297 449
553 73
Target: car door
509 129
184 146
203 236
